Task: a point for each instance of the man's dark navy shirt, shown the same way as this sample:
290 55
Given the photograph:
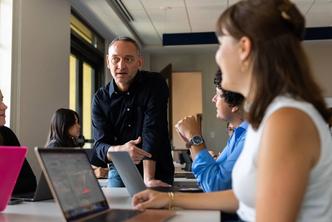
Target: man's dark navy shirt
118 117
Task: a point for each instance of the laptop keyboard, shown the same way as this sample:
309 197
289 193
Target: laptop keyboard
185 184
114 216
184 175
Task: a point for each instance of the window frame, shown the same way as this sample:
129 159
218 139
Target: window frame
85 52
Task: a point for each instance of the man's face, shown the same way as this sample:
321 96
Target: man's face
224 111
123 61
3 108
75 130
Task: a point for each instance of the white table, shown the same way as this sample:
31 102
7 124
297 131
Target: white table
49 211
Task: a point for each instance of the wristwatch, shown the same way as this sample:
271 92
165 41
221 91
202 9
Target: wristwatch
195 140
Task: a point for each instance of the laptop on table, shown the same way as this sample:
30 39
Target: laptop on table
76 189
133 180
42 192
11 161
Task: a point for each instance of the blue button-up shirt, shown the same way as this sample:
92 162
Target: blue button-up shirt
215 175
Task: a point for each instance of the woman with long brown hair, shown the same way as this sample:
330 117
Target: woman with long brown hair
64 129
284 172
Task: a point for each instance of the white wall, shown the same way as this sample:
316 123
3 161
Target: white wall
40 71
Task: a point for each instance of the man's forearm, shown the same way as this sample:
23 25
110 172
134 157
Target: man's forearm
149 169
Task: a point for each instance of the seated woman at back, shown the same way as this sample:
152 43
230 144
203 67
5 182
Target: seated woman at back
64 132
26 181
64 129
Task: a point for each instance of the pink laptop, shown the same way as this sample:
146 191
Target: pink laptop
11 161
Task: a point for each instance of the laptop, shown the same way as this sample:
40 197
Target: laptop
42 192
11 161
133 180
76 189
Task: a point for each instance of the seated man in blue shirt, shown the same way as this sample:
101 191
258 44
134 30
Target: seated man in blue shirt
211 174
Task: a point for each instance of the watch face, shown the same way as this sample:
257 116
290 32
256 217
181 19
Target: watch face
197 140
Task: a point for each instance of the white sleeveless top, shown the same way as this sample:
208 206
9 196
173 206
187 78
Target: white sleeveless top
317 203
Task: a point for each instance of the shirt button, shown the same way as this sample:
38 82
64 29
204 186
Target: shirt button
115 138
128 93
128 109
129 125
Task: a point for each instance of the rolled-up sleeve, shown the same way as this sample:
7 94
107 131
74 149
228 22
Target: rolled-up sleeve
216 175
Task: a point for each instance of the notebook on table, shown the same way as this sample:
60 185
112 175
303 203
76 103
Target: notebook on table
133 180
11 161
76 189
42 192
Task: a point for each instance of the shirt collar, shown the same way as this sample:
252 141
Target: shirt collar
244 125
240 129
114 89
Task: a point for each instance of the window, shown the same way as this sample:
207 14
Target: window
86 71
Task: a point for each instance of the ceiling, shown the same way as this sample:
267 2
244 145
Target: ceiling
152 18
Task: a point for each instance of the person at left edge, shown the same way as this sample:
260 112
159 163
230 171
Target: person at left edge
130 114
26 181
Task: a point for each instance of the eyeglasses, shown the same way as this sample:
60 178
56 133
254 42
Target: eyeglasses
127 59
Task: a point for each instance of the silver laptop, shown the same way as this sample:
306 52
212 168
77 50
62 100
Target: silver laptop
42 192
75 187
133 180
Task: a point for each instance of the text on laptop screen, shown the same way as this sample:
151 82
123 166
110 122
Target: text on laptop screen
73 180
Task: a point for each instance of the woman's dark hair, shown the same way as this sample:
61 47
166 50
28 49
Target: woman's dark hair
280 66
61 121
232 98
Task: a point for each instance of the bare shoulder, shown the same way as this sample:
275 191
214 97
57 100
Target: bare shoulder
292 131
291 119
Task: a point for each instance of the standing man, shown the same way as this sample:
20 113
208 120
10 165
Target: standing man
211 174
130 114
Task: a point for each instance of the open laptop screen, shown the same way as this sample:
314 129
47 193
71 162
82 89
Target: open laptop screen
73 182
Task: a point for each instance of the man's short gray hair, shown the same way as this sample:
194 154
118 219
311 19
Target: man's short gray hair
126 39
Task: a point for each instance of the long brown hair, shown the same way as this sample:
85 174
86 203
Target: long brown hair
61 121
280 66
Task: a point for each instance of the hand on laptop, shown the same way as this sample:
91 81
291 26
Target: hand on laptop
135 153
156 183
